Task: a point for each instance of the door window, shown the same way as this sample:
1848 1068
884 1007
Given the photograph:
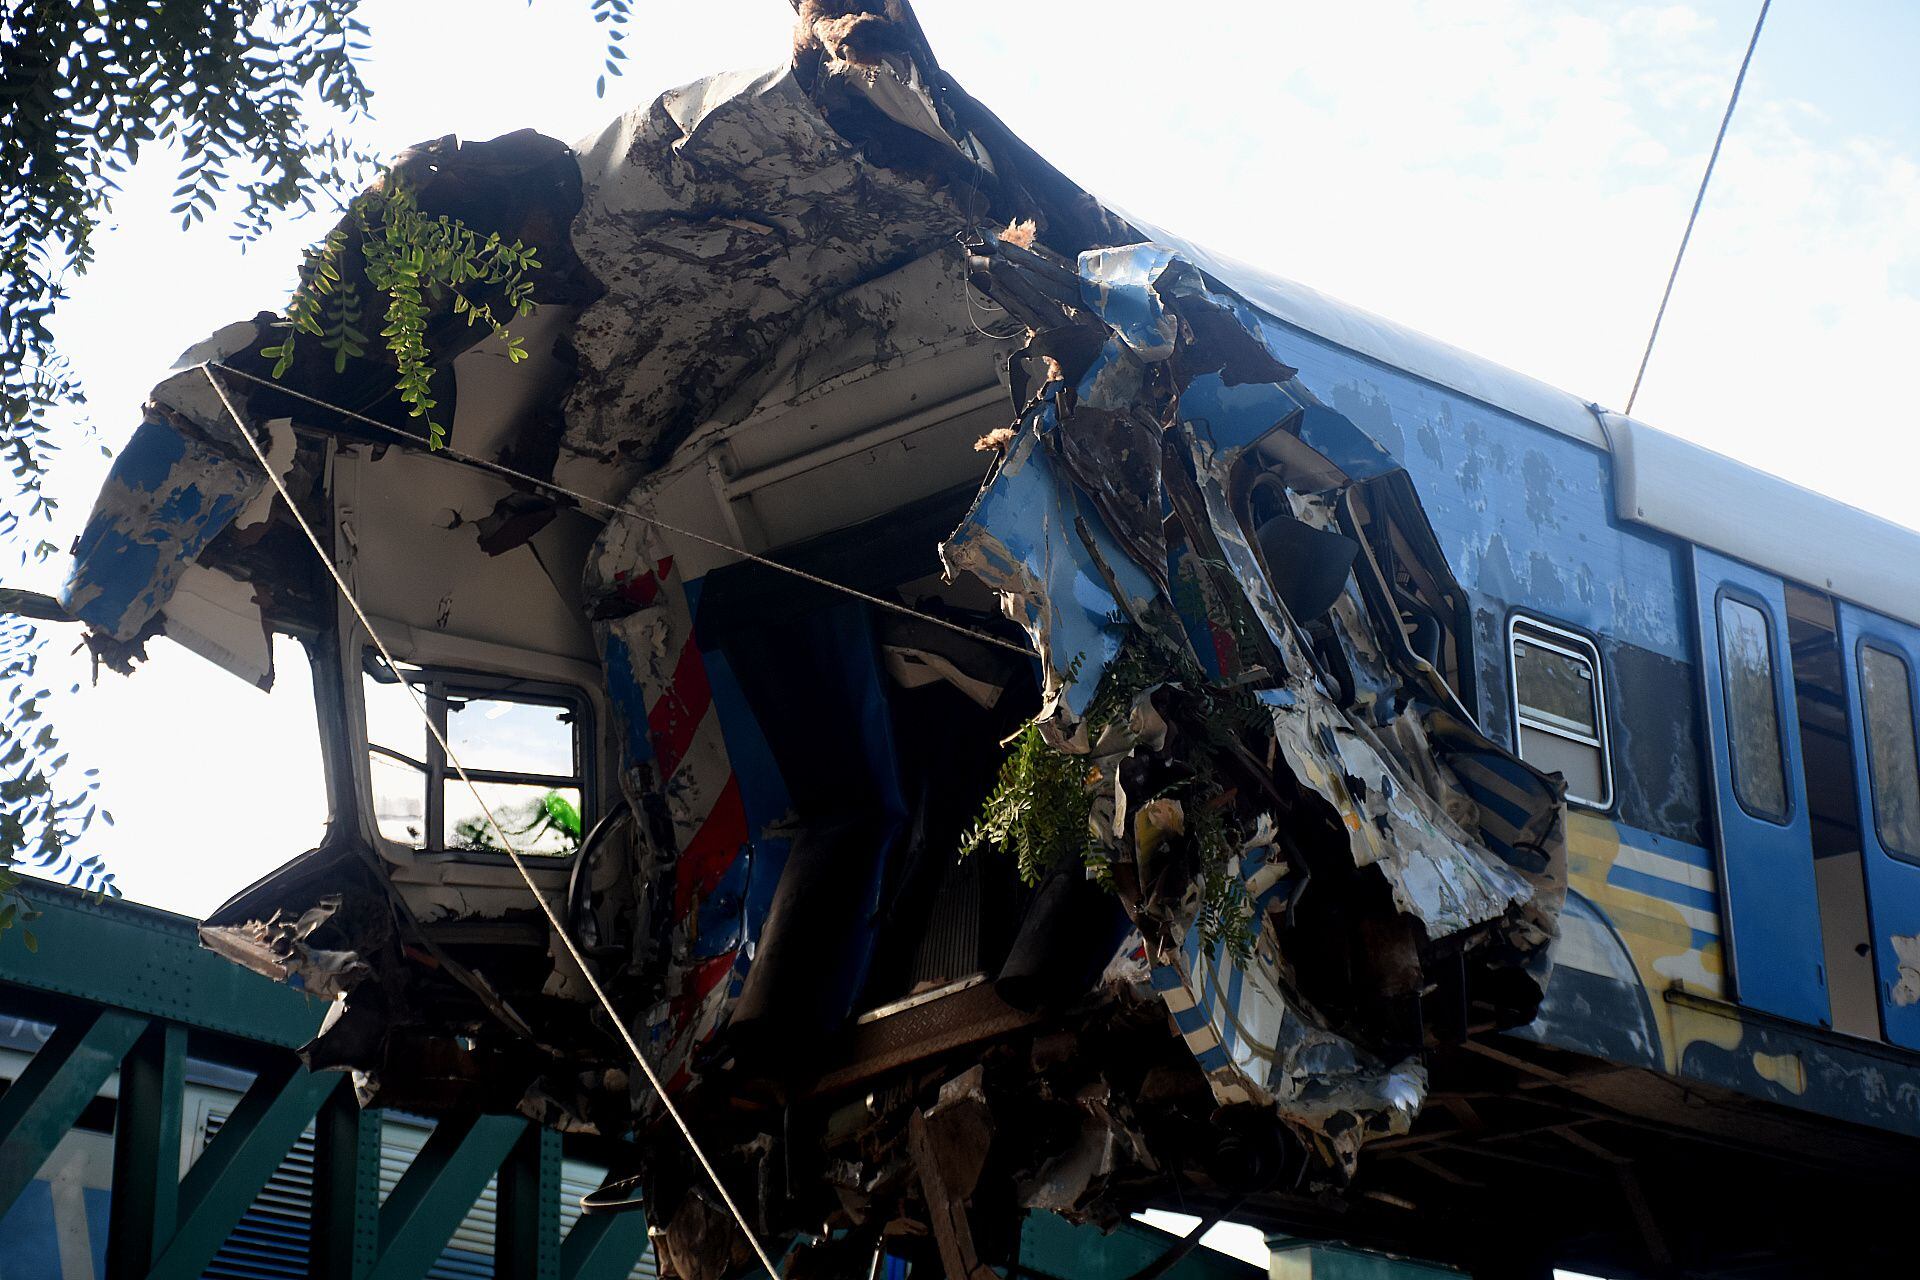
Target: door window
1886 698
1753 709
521 742
1559 711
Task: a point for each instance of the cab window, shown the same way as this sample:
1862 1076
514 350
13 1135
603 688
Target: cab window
521 742
1559 711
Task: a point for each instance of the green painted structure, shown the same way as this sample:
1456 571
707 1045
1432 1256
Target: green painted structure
130 993
128 989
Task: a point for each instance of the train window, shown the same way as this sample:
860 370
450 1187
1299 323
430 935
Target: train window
1753 709
1886 698
1559 710
521 743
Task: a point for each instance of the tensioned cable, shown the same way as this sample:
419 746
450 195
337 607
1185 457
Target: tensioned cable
1698 199
614 508
493 824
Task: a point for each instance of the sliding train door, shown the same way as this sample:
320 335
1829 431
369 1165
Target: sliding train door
1763 833
1880 658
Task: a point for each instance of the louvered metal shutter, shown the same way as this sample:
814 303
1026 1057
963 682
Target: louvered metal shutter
273 1237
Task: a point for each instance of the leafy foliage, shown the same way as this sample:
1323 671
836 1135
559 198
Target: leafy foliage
85 85
40 817
411 258
1042 804
1226 913
614 16
1040 808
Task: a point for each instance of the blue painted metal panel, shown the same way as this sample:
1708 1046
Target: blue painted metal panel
1024 532
1766 861
166 496
1893 880
1524 514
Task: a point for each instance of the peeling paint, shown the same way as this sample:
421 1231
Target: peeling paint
1906 953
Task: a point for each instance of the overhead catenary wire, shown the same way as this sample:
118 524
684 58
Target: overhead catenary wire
613 508
1698 199
493 825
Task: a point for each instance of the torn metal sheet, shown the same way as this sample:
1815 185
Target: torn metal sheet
1398 815
1259 1045
169 492
282 949
878 396
1034 538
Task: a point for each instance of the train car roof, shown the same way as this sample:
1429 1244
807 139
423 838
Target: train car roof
1659 480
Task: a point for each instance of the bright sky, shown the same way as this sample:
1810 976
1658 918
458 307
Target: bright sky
1509 176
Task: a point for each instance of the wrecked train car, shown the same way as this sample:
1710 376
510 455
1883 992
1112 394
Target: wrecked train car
1019 713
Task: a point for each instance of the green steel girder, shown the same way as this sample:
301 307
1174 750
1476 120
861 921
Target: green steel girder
145 1206
65 1075
526 1233
603 1246
345 1239
151 962
237 1163
438 1188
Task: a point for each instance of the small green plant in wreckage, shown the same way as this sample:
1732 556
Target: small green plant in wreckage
1041 806
414 260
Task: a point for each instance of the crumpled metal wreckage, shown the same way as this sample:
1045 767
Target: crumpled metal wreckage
837 315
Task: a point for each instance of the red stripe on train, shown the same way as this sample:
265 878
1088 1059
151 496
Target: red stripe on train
712 850
675 717
645 588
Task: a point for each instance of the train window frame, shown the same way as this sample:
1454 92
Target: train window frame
446 684
1784 815
1874 776
1538 632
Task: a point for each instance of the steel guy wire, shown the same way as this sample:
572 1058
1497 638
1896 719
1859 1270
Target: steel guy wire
1698 199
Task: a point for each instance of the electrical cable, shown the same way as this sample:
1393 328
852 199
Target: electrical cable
581 499
546 908
1698 199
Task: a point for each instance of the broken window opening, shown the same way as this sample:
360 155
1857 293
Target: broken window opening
1316 531
1560 709
1833 814
1407 579
524 745
1753 708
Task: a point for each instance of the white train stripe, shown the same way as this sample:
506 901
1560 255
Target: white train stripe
1661 867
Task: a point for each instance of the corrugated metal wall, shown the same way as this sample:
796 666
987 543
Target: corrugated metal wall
272 1240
